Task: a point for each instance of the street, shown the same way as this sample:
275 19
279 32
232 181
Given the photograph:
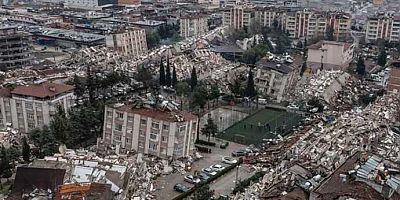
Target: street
223 185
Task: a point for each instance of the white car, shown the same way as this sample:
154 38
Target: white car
228 160
191 179
217 168
293 107
208 171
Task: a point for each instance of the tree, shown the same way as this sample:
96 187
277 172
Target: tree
329 33
152 39
275 24
250 90
360 66
44 140
203 193
168 80
214 93
193 79
174 78
199 97
303 68
79 85
59 126
5 166
210 129
299 44
236 87
382 57
162 73
26 150
182 90
143 75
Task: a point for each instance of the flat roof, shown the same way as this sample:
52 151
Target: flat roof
266 64
70 35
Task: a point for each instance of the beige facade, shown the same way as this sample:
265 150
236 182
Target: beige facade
384 26
130 43
149 131
193 26
29 107
333 55
274 79
238 17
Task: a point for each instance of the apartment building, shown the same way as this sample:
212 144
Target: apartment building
238 17
130 43
15 49
149 130
383 26
89 4
29 107
274 79
331 55
266 16
193 25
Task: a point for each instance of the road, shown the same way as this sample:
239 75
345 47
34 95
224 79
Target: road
226 183
164 184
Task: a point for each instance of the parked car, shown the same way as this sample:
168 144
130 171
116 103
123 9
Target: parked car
224 145
228 160
191 179
238 153
217 168
208 171
202 176
181 188
293 107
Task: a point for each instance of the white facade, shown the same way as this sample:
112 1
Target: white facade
129 43
149 131
334 55
193 26
385 27
237 17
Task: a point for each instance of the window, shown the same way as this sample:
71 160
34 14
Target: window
108 124
31 125
153 147
18 105
118 127
30 116
109 114
141 133
163 138
117 137
120 115
165 126
140 144
130 118
143 121
153 136
128 140
182 128
155 125
29 106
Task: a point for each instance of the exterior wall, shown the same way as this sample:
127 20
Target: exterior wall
193 27
237 17
128 131
385 27
129 2
334 56
130 43
26 114
272 83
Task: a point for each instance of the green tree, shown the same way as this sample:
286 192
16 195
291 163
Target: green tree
59 125
193 79
199 97
250 90
182 90
203 193
174 77
168 80
5 162
143 75
214 93
26 150
79 85
236 87
162 73
382 57
44 140
152 39
209 129
360 66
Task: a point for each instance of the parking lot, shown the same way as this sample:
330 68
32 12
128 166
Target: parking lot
222 185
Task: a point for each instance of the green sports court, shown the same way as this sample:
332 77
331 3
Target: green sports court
264 124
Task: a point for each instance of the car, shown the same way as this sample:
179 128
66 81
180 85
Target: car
293 107
203 176
181 188
217 168
224 145
191 179
238 153
208 171
228 160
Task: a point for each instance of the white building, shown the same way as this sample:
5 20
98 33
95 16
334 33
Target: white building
193 26
333 55
29 107
129 42
89 4
384 26
149 130
273 79
238 17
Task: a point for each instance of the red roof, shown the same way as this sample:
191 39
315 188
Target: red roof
43 90
157 113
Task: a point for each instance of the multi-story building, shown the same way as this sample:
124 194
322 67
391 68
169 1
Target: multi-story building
29 107
238 17
383 26
88 4
129 2
30 18
393 84
274 79
193 25
149 130
330 55
128 42
15 49
266 16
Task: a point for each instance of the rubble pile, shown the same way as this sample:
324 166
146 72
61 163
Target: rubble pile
9 137
328 145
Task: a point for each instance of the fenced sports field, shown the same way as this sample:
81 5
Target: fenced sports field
264 124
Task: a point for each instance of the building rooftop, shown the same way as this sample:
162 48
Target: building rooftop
157 113
71 35
43 90
280 67
321 43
